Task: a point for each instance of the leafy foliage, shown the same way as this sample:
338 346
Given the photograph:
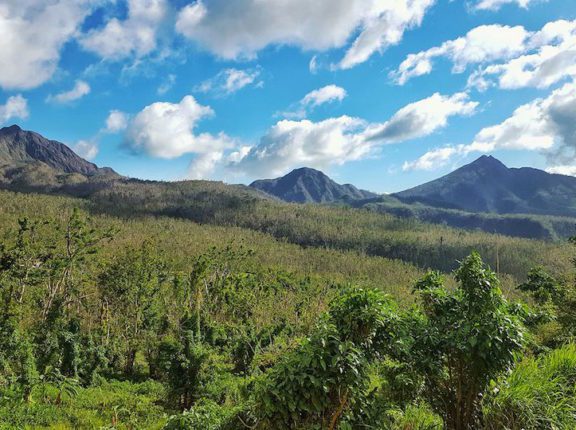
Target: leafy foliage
145 322
463 339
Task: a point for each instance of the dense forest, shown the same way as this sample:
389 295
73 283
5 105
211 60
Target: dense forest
297 317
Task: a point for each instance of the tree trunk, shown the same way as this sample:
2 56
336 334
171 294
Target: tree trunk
130 358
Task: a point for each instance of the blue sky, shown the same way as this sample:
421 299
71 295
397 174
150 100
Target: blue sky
384 94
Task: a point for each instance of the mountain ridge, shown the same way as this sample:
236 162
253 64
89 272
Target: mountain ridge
487 185
18 146
307 185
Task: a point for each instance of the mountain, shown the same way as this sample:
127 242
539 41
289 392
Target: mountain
307 185
487 185
484 195
19 147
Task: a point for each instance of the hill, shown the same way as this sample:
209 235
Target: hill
487 185
307 185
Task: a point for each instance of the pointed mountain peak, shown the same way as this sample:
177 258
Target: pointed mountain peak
488 161
307 185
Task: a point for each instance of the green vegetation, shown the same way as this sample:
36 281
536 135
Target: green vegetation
240 312
541 227
348 229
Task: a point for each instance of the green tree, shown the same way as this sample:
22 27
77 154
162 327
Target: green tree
327 376
64 277
463 339
129 290
192 369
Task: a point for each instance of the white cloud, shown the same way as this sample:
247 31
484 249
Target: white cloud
546 125
327 94
166 84
480 45
15 107
134 37
315 98
203 165
32 35
550 57
431 160
530 59
86 149
167 130
79 90
290 144
117 121
422 118
313 65
497 4
229 81
563 170
305 143
385 29
239 29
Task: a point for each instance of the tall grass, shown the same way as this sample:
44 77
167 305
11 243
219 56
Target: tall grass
540 394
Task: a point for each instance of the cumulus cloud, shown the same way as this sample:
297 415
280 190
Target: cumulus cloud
229 81
327 94
550 57
480 45
203 165
305 143
547 125
80 89
315 98
239 29
497 4
422 118
290 143
15 107
86 149
136 36
510 57
167 130
117 121
32 34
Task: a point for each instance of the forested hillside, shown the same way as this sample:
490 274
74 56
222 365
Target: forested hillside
201 305
109 321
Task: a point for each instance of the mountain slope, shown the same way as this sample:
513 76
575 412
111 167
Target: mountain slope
307 185
18 147
487 185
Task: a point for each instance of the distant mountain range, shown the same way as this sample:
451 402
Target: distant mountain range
487 185
484 194
307 185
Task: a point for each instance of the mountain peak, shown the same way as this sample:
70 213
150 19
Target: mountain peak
306 171
307 185
11 129
488 161
487 185
19 146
